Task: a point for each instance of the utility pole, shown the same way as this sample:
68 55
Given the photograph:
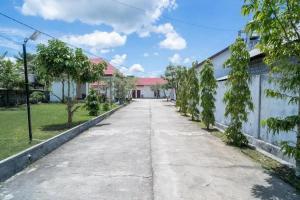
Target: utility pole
32 37
27 90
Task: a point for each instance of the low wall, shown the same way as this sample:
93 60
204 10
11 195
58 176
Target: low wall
264 108
16 163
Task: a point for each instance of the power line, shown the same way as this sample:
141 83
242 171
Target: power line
9 39
46 34
175 19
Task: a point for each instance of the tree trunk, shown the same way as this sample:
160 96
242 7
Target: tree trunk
69 103
298 145
63 91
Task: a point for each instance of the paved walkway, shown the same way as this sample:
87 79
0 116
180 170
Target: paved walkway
145 151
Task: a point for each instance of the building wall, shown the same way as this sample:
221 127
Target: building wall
264 107
146 92
56 91
218 62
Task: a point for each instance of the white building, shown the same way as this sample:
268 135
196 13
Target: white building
106 85
146 88
80 91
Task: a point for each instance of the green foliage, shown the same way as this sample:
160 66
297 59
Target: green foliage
37 97
9 74
172 75
277 24
156 88
85 70
182 90
208 86
106 106
193 91
237 97
56 61
92 103
123 86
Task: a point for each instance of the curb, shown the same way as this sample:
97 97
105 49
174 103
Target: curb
16 163
265 148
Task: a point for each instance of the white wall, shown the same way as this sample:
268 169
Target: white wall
146 92
56 90
218 62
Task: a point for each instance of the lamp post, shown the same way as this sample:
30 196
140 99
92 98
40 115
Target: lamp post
32 37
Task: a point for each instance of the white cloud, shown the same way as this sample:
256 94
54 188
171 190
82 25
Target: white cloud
172 39
175 59
124 70
156 53
118 60
12 59
14 32
186 60
124 16
178 59
97 39
146 54
10 45
154 74
136 68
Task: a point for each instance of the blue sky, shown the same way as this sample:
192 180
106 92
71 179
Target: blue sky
140 37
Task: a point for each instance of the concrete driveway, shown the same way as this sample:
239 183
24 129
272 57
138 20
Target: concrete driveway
145 151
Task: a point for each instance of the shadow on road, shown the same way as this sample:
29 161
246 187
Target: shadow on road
274 190
59 127
103 124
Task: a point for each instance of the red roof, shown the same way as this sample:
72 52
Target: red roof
109 71
150 81
98 83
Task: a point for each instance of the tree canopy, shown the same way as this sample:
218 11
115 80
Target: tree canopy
208 86
193 93
238 96
277 24
58 61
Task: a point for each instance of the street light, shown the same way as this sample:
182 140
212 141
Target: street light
32 37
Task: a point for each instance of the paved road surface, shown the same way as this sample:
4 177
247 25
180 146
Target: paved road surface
145 151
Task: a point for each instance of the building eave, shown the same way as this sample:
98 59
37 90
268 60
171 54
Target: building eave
213 56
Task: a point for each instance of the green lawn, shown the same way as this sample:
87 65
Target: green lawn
47 121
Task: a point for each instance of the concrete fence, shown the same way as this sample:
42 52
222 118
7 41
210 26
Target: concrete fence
16 163
264 107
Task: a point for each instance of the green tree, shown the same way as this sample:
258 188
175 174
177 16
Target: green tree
208 86
170 76
183 90
92 103
30 61
156 89
9 75
238 97
193 94
123 86
59 61
277 24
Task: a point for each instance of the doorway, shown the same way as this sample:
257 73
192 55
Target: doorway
138 94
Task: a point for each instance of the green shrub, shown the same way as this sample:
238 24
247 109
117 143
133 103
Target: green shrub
106 106
37 97
92 103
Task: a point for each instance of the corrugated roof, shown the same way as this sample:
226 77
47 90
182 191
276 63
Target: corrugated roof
214 55
150 81
109 71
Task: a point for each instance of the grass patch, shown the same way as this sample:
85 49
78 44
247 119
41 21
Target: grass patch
47 121
272 166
